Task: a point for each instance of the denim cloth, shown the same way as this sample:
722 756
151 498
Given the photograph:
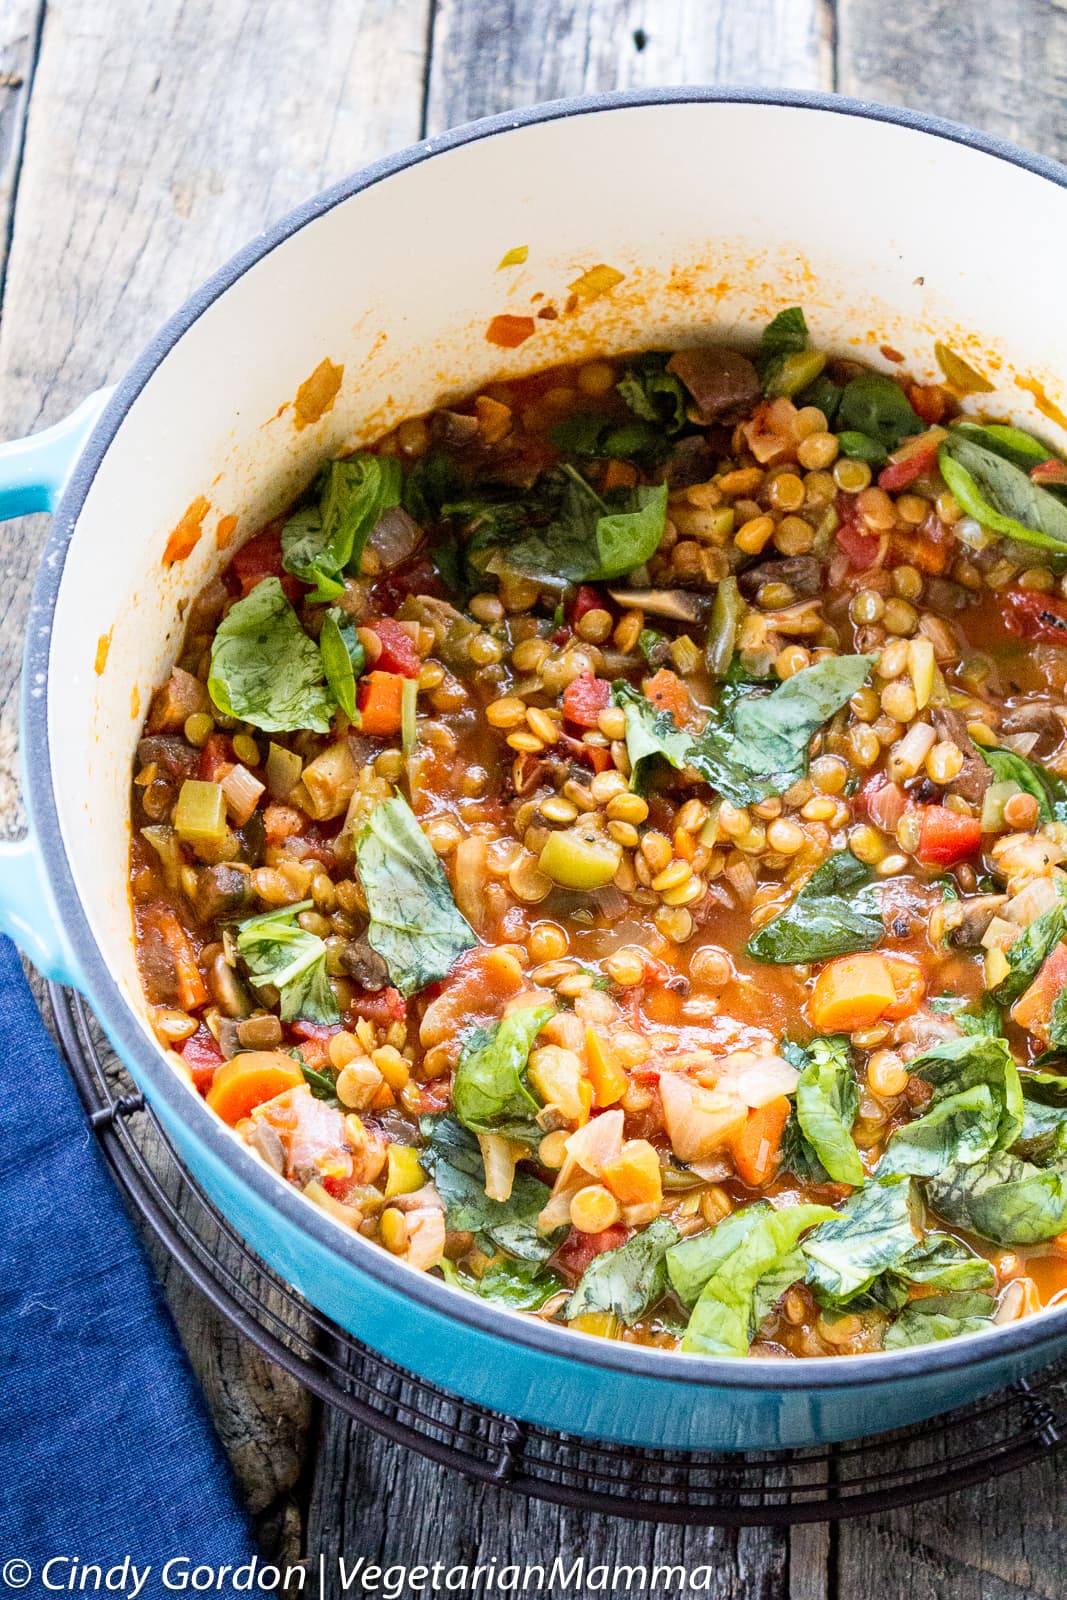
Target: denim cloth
106 1448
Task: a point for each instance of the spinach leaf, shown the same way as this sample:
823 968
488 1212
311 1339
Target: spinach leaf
265 669
939 1316
753 1277
861 447
649 733
343 660
276 951
1021 449
1028 952
874 405
591 433
834 913
692 1261
756 745
490 1093
652 393
783 362
1001 496
1002 1198
1043 1137
1010 768
628 1280
873 1232
320 543
322 1086
977 1107
823 393
519 1285
938 1262
1048 1087
587 538
827 1099
415 925
978 1017
454 1161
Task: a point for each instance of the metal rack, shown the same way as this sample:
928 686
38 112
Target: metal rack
950 1452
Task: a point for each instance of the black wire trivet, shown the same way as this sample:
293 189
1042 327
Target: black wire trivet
1018 1426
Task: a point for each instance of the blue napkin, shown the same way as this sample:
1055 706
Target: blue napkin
106 1448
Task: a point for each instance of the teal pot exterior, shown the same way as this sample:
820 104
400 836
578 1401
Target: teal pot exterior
62 888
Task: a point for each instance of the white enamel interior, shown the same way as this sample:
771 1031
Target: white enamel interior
718 214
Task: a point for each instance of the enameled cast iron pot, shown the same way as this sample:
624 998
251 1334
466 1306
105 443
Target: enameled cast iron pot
720 207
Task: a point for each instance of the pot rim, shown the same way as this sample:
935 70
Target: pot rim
433 1295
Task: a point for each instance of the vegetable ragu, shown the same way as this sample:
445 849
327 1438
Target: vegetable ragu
606 846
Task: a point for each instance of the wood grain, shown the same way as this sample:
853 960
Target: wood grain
20 34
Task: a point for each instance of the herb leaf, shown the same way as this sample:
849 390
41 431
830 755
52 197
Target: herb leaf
629 1279
1002 1198
415 925
649 733
979 1017
939 1316
827 1098
588 537
519 1285
265 669
691 1262
875 1230
490 1093
1028 952
320 543
750 1281
1010 768
343 659
652 393
455 1163
785 335
1000 495
276 951
977 1108
835 913
876 406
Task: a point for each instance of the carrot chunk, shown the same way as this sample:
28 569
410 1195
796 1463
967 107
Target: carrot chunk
607 1078
380 699
756 1146
248 1080
852 992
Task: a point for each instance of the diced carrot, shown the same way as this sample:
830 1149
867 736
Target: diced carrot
191 990
380 696
619 475
852 992
910 988
383 1098
756 1147
1033 1009
603 1071
584 698
635 1176
508 331
249 1079
668 693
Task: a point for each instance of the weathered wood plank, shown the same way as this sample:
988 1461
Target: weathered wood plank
20 29
158 139
368 1496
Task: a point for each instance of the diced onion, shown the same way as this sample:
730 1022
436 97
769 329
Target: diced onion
242 790
394 536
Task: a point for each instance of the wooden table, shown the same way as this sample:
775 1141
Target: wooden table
141 142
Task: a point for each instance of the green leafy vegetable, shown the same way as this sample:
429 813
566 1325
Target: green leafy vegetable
428 485
518 1285
591 433
876 406
628 1280
977 1107
490 1093
938 1262
322 1086
827 1099
861 447
825 394
649 733
322 542
1010 768
691 1262
1000 495
652 393
1043 1138
1021 449
276 951
343 659
587 538
784 363
835 913
939 1316
264 668
454 1161
415 925
750 1281
873 1232
1028 952
970 1016
1002 1198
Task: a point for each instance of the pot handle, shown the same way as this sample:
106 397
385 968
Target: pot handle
33 475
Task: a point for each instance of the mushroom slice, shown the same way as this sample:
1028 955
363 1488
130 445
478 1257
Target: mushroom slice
677 605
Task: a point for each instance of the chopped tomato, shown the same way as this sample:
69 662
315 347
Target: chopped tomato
216 758
899 473
579 1249
592 755
861 549
415 576
202 1056
668 693
947 837
586 598
584 698
1029 614
1052 471
398 652
910 988
261 558
927 401
380 1006
884 802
